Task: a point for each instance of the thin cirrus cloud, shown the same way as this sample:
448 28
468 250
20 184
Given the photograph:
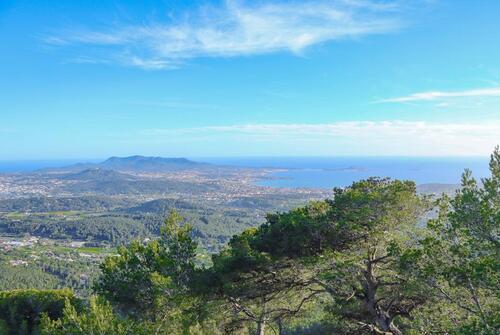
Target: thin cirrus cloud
374 137
438 95
234 29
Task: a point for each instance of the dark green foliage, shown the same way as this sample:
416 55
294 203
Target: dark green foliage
97 318
334 224
257 288
50 204
304 231
161 206
23 277
360 248
132 280
21 310
112 228
356 238
146 277
460 259
51 267
211 227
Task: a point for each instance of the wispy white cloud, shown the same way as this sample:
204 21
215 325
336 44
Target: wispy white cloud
357 137
148 63
437 95
359 129
237 28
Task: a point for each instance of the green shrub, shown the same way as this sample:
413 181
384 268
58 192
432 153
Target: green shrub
21 310
97 318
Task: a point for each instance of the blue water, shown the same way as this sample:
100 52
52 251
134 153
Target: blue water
329 172
323 172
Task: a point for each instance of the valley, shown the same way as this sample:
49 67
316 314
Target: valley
53 216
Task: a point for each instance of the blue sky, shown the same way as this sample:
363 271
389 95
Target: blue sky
91 79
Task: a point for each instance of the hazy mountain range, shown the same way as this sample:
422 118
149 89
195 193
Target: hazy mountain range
135 163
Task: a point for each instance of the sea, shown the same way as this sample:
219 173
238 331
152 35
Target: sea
329 172
322 172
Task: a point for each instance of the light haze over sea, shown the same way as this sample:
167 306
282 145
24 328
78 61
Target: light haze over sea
324 172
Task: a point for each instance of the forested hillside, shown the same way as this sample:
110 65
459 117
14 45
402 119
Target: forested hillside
360 262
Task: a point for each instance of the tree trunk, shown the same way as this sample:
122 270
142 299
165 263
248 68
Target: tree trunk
381 319
384 325
261 327
394 330
261 323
